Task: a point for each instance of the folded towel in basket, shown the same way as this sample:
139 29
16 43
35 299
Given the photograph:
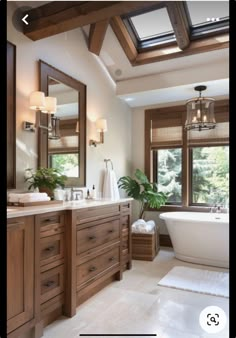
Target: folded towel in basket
141 226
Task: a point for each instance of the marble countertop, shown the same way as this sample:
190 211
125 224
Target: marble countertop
14 211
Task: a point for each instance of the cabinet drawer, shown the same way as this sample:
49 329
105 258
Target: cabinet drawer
125 255
125 207
52 283
51 249
125 222
125 242
125 232
51 223
96 235
96 265
93 214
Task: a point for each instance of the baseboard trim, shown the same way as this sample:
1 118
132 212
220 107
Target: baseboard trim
165 241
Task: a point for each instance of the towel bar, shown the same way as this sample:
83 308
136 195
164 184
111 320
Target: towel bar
108 160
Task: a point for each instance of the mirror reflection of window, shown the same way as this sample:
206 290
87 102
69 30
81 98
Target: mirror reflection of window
63 152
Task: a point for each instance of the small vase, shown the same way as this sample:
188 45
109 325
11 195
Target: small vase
47 190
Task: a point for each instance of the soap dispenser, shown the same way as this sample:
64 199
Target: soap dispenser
93 192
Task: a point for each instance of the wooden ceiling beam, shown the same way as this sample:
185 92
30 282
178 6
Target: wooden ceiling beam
58 17
124 38
179 22
197 46
96 36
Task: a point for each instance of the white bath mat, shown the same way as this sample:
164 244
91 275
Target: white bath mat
197 280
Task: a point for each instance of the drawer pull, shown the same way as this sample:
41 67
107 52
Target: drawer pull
50 248
56 229
92 237
49 220
49 283
93 268
124 224
110 231
111 259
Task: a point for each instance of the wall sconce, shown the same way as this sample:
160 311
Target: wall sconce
101 126
47 105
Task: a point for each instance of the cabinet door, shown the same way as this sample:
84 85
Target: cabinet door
20 272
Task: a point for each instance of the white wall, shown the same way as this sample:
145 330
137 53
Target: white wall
69 53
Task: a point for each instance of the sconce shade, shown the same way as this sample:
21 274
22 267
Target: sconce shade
200 112
101 125
37 100
50 105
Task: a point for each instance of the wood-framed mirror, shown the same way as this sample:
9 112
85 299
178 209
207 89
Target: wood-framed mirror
68 151
11 116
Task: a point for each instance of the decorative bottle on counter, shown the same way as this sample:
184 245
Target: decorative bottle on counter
93 192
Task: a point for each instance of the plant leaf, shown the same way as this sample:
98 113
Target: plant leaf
141 176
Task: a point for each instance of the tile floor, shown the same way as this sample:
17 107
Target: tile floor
137 305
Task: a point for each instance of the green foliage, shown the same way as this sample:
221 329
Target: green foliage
65 162
170 174
143 191
45 177
211 175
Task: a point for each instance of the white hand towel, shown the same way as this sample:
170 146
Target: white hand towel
110 187
14 197
33 199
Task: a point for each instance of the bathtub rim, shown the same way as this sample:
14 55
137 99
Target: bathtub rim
176 216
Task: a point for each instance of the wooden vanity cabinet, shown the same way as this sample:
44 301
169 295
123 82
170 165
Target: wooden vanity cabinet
50 231
102 247
20 274
57 260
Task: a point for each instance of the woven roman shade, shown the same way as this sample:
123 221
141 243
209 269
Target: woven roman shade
166 129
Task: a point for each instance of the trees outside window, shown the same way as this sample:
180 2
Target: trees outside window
169 175
210 175
66 163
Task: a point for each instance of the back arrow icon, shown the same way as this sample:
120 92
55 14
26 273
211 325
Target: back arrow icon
25 17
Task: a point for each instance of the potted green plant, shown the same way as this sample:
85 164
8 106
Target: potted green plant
45 179
142 190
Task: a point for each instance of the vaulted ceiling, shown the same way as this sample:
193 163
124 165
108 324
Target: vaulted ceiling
108 37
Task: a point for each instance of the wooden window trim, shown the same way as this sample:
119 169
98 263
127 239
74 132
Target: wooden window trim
221 112
217 41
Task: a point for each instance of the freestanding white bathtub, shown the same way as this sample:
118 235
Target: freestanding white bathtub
199 237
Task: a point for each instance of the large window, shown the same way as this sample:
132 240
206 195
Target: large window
210 175
192 167
169 174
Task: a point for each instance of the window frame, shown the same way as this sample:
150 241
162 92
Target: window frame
207 29
221 107
191 203
156 42
155 169
196 32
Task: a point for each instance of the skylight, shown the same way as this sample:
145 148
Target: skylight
203 12
152 24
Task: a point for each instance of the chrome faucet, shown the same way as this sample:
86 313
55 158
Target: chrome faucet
78 193
216 208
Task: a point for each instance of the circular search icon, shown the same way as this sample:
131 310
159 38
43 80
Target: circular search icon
212 319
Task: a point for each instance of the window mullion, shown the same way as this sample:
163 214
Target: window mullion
185 164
